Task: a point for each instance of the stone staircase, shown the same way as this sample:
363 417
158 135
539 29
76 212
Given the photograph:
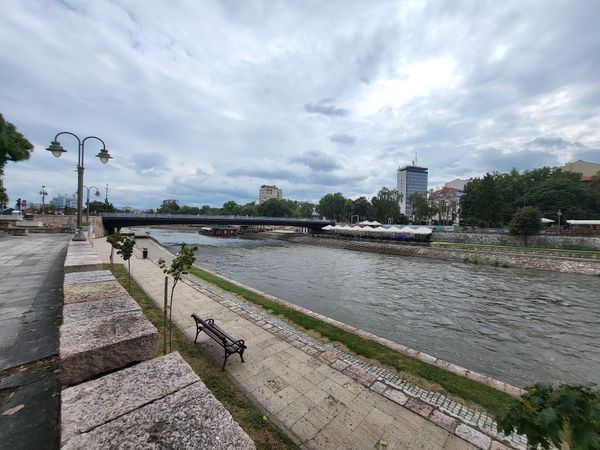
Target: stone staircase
117 393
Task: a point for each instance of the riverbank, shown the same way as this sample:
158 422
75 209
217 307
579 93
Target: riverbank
328 405
497 256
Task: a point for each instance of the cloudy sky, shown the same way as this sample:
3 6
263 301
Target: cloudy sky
204 101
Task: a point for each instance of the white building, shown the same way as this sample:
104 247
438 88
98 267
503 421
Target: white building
266 192
411 180
64 201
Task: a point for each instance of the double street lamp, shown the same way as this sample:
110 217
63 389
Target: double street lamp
57 150
43 193
87 201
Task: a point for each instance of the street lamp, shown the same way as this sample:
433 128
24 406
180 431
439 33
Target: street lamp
87 201
559 213
57 150
43 193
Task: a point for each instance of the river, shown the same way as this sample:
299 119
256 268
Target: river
516 325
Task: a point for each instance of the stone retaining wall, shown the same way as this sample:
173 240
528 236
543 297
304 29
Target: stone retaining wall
569 242
66 224
120 395
497 258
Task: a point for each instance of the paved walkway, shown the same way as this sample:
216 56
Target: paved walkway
30 314
325 400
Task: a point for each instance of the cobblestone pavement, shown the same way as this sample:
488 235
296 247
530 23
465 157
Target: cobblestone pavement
30 314
326 397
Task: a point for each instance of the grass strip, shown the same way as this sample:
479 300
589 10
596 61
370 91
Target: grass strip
490 399
264 433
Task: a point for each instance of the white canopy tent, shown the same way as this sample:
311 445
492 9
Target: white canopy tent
422 230
544 220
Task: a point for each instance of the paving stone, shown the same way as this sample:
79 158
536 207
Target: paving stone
473 436
498 446
396 396
418 406
92 347
190 418
443 420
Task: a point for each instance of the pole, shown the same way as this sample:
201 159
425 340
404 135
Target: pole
165 315
87 206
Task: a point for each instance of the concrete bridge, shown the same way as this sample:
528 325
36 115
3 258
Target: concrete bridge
112 221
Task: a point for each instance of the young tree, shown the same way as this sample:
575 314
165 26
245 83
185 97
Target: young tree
126 251
550 417
115 244
526 222
13 147
180 265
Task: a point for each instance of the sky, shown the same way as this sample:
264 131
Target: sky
204 101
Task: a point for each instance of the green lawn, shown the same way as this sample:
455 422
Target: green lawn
432 377
264 433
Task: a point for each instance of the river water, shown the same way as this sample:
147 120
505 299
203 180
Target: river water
515 325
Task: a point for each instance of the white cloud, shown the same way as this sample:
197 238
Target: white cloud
206 101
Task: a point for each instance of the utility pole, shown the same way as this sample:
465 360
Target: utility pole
106 196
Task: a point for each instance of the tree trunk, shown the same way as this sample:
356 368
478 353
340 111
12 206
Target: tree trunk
171 317
165 315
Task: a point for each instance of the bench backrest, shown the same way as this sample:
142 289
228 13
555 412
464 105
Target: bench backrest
213 330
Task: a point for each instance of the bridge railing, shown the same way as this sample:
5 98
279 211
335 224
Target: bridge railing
198 216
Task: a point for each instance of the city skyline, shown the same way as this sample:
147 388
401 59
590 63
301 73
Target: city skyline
211 102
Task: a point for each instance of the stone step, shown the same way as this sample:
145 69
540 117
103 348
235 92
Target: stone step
160 403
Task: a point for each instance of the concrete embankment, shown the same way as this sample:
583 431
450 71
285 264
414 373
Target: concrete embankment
494 257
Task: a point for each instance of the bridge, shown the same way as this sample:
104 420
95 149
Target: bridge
112 221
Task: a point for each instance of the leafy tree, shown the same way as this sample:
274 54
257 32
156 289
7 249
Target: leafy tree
561 190
527 221
305 210
418 206
332 206
363 208
480 204
115 244
274 208
551 417
594 195
180 265
386 206
98 207
13 147
168 208
230 208
191 210
126 251
249 209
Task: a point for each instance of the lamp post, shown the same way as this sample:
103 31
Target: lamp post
43 193
57 149
87 201
558 214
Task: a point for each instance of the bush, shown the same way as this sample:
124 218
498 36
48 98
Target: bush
550 417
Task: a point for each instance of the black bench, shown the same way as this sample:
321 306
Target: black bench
229 344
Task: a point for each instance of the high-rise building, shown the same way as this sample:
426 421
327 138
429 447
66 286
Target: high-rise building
266 192
411 180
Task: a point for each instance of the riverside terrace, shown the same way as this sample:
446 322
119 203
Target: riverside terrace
112 221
